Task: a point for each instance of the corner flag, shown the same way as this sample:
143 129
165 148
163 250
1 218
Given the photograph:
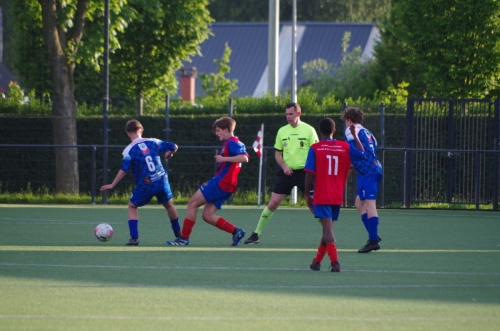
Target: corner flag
258 144
258 147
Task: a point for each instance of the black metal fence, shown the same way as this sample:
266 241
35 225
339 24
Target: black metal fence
440 151
192 165
452 151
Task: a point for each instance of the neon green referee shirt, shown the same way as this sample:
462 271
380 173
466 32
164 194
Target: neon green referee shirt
294 143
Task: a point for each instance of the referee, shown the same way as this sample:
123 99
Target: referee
290 152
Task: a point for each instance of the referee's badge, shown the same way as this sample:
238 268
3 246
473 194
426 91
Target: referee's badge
301 144
285 144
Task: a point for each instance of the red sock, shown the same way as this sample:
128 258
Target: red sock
225 225
321 253
331 249
187 227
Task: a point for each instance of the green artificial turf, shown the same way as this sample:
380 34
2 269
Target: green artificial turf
436 270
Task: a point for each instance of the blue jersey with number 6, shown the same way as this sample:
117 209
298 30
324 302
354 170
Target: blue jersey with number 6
143 156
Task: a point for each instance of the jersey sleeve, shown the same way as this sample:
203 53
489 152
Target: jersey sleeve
278 144
237 148
310 161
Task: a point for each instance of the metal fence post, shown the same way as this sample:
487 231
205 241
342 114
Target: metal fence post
496 155
93 150
382 146
408 164
477 166
451 158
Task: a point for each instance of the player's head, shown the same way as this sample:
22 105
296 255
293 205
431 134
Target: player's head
133 126
327 127
224 123
353 114
292 113
295 106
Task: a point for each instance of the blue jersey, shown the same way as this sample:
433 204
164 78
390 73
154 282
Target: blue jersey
143 156
365 162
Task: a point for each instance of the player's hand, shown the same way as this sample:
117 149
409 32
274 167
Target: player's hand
287 171
106 187
169 155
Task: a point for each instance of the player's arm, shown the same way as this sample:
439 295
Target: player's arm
170 153
352 128
240 158
118 178
278 156
307 188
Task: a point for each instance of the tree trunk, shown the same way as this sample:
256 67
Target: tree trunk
139 107
64 105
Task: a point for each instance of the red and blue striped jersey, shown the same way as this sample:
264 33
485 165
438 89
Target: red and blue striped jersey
227 172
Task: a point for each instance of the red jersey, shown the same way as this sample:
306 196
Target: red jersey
329 161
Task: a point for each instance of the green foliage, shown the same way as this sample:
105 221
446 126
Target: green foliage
15 94
363 11
217 85
32 66
353 81
443 48
155 44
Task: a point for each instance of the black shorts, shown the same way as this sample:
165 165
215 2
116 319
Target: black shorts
284 184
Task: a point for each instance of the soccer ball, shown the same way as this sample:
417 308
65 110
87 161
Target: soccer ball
103 232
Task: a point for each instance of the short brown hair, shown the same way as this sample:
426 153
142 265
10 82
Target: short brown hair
354 114
293 105
224 123
133 126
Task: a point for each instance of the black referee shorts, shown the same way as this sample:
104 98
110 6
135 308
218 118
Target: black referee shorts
284 184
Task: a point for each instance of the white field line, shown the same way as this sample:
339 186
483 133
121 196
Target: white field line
97 266
255 318
105 247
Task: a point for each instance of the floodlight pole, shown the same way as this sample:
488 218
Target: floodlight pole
294 74
273 47
294 52
105 102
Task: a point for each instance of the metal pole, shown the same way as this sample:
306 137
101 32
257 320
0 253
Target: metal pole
230 108
105 101
382 146
167 117
294 73
294 52
273 47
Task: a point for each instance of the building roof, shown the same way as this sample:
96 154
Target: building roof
249 45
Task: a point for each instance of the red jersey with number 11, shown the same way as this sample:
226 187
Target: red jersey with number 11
329 161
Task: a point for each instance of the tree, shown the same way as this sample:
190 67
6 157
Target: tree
155 44
72 34
444 48
366 11
350 79
217 85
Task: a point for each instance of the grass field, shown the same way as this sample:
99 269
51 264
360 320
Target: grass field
437 270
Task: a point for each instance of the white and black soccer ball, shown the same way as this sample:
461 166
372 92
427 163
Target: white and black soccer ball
103 232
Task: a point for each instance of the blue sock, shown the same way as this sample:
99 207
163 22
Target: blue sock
364 219
133 228
372 227
176 227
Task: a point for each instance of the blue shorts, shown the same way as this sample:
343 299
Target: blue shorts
368 186
143 194
327 211
214 194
